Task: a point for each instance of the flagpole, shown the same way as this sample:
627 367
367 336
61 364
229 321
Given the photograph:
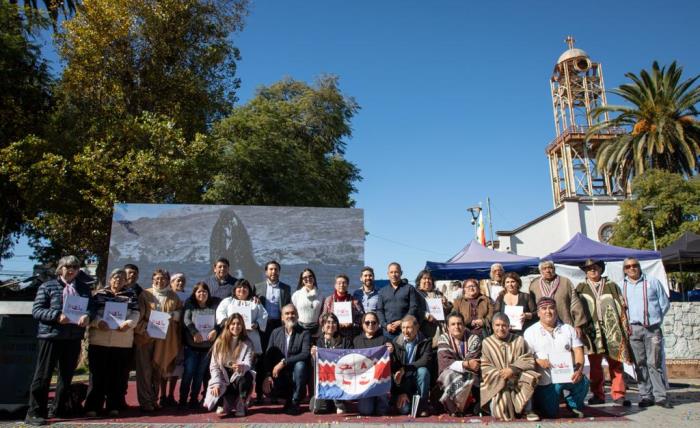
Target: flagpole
488 205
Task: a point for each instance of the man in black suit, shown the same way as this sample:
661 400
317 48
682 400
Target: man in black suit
273 295
286 360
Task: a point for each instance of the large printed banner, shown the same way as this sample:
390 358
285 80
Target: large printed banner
189 238
351 374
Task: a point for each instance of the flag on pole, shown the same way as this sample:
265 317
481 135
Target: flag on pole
480 232
350 374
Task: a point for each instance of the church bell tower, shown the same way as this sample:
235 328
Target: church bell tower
577 87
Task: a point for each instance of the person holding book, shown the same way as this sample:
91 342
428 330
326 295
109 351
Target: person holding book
553 344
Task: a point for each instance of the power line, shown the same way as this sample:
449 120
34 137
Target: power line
406 245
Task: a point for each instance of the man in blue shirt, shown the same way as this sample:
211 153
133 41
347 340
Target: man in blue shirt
367 294
647 303
395 302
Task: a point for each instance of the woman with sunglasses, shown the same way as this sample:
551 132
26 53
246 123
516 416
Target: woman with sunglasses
372 336
329 338
231 380
308 301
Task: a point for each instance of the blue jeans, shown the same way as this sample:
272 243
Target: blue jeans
377 406
417 382
196 363
291 379
546 398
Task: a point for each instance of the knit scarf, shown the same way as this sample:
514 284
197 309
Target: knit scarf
548 289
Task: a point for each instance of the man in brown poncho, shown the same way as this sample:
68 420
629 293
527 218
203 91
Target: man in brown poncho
508 372
559 288
458 364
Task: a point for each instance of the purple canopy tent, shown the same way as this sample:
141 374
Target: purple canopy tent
579 248
475 260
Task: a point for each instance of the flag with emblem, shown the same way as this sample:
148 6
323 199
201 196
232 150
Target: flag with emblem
350 374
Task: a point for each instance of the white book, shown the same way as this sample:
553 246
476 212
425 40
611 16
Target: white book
158 323
114 314
562 367
74 307
435 308
245 308
514 312
343 310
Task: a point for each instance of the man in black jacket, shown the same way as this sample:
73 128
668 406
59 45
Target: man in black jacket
59 339
286 361
409 363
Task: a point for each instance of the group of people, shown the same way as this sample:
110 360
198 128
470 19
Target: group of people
489 349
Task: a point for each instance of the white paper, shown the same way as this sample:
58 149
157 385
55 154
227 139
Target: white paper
343 310
415 402
245 308
204 323
514 312
158 324
74 307
435 308
562 367
629 369
114 314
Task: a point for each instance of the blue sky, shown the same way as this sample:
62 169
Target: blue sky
455 98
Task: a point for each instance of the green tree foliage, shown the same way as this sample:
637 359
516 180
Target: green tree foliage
25 95
146 159
674 208
143 80
53 8
171 57
285 147
664 132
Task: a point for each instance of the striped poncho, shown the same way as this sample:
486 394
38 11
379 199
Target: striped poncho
508 397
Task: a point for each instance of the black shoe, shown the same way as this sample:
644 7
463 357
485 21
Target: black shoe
665 404
292 409
34 420
645 403
622 402
122 405
595 400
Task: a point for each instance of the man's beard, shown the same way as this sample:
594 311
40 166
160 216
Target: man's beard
290 324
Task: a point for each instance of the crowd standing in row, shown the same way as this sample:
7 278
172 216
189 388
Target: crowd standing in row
474 360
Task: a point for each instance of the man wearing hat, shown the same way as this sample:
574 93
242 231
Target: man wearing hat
545 338
561 289
606 332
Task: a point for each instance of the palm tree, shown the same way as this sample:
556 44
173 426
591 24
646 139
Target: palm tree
53 7
664 131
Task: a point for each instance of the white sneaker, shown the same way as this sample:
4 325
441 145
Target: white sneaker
220 411
339 411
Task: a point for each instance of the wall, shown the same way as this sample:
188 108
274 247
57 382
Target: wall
682 331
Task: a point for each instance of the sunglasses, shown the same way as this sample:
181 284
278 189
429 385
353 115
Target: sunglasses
370 322
631 266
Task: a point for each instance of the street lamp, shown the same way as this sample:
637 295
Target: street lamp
650 210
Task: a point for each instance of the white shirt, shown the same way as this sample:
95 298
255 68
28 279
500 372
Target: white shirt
542 343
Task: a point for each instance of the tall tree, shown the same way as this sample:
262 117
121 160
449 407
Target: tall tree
143 81
54 8
663 130
666 199
286 146
25 97
171 57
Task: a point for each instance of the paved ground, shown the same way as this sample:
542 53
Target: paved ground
685 394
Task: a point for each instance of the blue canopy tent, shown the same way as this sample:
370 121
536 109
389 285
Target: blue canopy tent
580 247
475 260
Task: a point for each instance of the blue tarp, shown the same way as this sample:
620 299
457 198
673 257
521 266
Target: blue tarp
475 260
579 248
